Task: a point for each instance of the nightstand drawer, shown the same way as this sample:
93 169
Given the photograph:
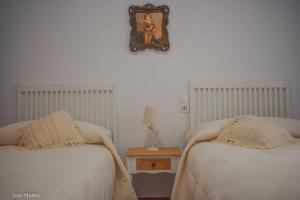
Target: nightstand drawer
153 164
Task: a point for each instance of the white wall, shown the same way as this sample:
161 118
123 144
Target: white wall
73 41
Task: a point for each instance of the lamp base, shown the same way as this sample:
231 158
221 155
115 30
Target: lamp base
152 148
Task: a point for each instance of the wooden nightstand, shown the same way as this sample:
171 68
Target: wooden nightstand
139 160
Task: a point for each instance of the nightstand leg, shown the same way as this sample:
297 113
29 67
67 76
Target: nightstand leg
130 178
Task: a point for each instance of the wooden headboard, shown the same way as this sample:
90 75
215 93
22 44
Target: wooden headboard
216 100
91 103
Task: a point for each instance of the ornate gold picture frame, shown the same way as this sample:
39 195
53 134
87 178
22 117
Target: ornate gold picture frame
149 27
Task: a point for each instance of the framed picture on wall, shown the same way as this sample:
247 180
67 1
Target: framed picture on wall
149 27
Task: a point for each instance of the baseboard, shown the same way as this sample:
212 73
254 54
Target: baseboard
154 198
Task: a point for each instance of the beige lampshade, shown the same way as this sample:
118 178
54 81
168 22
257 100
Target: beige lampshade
149 115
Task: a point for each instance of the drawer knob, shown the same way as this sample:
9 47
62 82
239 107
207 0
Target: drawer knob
153 164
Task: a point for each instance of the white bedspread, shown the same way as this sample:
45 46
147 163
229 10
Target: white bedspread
78 173
224 172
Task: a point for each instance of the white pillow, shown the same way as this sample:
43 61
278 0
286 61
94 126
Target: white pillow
92 133
8 133
207 127
212 126
254 132
57 129
292 125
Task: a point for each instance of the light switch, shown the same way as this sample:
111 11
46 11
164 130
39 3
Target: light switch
184 104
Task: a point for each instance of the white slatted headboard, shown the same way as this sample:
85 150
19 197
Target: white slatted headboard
91 103
217 100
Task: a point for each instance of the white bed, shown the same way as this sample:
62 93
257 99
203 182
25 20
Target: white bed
68 173
86 172
219 171
222 171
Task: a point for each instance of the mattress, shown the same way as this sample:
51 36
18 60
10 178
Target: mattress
77 173
221 171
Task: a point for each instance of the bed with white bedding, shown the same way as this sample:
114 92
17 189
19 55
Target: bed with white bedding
210 169
87 171
222 171
217 171
76 173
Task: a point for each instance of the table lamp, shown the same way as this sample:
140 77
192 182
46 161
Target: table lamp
150 119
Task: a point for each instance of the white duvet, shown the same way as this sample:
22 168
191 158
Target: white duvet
78 173
223 172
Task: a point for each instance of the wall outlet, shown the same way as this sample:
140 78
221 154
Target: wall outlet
184 104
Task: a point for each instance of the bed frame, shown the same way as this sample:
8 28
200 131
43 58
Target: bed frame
91 103
216 100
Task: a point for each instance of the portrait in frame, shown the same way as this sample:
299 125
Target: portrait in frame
149 27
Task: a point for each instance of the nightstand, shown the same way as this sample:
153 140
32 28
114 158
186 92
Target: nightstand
139 160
